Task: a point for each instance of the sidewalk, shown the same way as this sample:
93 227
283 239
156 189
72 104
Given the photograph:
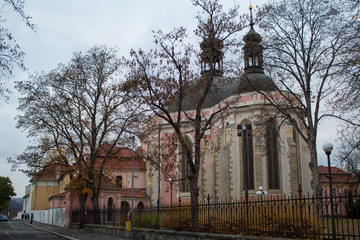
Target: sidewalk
73 234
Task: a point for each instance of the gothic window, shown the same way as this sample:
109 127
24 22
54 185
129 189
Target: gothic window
119 181
272 155
184 171
295 135
250 161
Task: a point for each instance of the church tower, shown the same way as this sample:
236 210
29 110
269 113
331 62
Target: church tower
211 55
253 50
254 78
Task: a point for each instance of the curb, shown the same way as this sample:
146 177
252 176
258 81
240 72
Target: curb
55 233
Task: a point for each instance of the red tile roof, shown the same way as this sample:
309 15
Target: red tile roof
334 170
121 159
138 193
119 151
338 175
59 195
49 173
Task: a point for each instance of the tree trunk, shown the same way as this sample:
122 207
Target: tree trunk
82 201
315 182
194 194
194 188
95 203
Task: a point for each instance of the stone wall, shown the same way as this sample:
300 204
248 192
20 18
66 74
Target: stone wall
46 216
152 234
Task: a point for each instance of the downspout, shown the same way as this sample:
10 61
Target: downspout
35 196
159 162
53 199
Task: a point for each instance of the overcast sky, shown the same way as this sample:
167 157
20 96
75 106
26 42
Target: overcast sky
68 26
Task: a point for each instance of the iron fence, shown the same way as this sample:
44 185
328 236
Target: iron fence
302 217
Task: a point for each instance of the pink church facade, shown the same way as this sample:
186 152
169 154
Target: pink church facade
277 158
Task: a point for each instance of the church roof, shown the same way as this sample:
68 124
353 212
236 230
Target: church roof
255 82
223 88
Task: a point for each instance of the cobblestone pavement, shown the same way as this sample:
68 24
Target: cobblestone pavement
73 234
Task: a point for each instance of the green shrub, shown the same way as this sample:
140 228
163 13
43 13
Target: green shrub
144 219
266 220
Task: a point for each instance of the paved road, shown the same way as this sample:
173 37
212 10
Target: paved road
14 230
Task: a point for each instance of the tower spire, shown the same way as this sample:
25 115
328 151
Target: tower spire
251 15
253 50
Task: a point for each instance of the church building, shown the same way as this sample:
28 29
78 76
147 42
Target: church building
270 157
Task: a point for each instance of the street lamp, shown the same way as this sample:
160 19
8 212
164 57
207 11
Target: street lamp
171 183
261 192
132 188
328 147
244 131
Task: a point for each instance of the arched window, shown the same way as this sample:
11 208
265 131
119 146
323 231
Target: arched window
125 205
140 206
119 181
250 160
272 154
110 205
184 168
124 210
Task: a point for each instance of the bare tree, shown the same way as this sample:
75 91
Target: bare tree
304 41
77 108
168 81
347 101
348 154
10 52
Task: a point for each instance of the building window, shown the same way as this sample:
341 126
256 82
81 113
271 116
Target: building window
110 204
250 161
184 172
125 206
140 206
272 155
119 181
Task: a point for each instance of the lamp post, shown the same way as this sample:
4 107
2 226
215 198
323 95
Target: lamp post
244 131
171 183
328 147
132 188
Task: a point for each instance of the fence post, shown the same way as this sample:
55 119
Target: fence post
87 215
208 209
157 214
179 212
247 213
113 215
104 215
301 213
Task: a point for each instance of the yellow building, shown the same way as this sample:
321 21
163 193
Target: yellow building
44 185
